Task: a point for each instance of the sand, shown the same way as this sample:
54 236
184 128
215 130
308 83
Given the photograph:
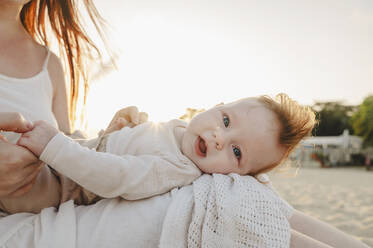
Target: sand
343 197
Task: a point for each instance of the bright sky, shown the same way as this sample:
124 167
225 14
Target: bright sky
175 54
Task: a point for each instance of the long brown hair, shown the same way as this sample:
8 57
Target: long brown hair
75 47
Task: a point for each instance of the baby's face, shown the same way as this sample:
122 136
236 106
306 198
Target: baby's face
239 137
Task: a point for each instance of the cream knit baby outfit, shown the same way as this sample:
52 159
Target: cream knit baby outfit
139 162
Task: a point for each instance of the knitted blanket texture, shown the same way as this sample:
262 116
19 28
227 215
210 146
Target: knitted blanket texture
226 211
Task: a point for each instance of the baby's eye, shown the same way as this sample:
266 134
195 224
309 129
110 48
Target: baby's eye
226 121
237 152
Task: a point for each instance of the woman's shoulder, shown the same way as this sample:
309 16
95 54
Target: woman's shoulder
39 51
55 70
54 63
50 60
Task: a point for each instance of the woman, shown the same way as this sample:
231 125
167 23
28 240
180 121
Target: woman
32 83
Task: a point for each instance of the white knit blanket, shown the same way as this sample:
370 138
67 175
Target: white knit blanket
226 211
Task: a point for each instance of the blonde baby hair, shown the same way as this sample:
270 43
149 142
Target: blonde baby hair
296 122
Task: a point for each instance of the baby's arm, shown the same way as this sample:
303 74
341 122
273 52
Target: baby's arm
107 175
320 231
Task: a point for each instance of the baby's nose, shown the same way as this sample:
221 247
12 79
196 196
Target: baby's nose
219 138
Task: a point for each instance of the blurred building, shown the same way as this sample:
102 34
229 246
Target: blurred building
328 150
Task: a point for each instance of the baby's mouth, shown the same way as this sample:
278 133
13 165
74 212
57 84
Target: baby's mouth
201 147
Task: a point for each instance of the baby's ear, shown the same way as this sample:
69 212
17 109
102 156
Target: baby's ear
219 104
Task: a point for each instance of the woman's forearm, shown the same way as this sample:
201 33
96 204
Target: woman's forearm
323 232
299 240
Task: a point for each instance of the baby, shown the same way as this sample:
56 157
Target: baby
248 137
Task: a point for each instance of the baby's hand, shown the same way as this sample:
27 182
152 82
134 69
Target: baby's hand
38 138
126 117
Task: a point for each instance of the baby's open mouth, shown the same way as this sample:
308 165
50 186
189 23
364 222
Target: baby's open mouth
200 147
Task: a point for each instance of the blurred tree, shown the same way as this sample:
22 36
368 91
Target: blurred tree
362 121
333 117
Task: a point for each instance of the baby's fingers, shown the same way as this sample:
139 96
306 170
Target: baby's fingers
121 123
25 141
133 113
117 125
143 117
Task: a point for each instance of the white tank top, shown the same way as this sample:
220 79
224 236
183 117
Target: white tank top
32 97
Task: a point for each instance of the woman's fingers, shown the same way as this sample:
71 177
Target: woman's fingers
2 138
32 172
16 164
23 189
31 169
13 121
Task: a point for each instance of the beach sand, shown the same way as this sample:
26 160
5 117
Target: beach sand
343 197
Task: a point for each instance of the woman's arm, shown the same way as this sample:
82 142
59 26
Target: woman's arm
323 232
299 240
60 106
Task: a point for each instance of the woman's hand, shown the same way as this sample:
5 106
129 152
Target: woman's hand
126 117
13 121
18 166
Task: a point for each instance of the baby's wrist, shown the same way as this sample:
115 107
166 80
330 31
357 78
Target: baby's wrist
44 141
50 137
